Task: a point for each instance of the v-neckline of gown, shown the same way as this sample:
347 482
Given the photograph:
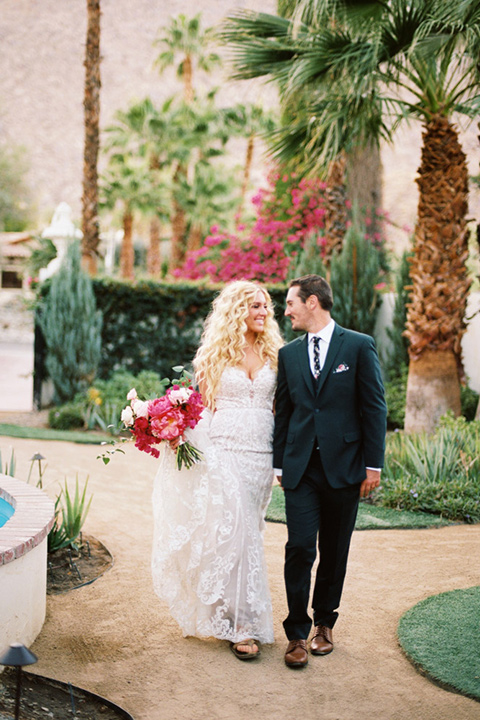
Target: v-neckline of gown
252 380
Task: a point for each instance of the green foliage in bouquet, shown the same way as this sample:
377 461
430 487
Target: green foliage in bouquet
354 275
71 326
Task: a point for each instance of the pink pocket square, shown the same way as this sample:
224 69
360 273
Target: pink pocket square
343 367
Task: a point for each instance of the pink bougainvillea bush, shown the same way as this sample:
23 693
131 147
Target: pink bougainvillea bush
287 213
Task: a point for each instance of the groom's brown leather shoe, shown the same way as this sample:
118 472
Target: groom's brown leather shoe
322 641
296 655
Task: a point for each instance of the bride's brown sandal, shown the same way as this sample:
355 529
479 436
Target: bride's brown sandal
240 654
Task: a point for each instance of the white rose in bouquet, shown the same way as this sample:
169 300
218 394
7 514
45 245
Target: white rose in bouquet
127 416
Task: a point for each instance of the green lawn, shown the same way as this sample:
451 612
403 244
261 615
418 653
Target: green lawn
75 436
370 517
441 636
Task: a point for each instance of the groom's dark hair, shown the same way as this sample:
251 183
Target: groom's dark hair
314 285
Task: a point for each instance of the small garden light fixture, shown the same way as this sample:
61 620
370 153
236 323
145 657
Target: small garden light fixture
17 656
38 457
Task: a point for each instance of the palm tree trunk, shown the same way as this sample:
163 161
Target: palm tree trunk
178 224
188 79
154 259
195 237
440 283
432 390
335 209
363 179
90 223
247 170
126 252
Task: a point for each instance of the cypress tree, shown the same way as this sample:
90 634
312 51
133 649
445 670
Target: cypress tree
354 273
72 328
398 358
309 260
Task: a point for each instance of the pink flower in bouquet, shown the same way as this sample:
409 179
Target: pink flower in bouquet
179 395
168 425
165 419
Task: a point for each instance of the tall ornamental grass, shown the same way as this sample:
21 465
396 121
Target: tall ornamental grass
438 473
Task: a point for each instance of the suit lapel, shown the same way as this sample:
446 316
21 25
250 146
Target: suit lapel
304 363
335 344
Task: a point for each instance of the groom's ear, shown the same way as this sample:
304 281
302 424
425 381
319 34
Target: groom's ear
311 302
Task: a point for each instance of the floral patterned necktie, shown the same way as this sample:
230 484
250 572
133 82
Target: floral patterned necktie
316 357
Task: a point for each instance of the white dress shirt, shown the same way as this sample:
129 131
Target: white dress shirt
325 336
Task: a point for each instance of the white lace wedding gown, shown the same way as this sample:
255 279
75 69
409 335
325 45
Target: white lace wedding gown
208 560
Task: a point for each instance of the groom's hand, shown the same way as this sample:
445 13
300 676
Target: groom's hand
371 482
279 480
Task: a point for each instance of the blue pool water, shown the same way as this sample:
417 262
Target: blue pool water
6 511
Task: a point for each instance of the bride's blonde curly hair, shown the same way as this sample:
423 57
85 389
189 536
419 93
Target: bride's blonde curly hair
223 339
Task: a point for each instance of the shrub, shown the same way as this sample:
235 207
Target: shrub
67 417
439 474
288 212
71 327
100 406
398 358
396 396
469 401
354 275
147 326
70 515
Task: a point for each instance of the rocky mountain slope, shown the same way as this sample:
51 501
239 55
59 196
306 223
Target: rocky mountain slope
41 92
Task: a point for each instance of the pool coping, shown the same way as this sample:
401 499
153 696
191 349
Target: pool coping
30 523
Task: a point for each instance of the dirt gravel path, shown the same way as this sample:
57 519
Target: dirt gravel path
113 637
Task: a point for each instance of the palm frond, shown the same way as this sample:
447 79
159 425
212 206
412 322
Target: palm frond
253 24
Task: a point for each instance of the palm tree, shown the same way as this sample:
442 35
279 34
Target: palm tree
208 200
130 184
90 224
175 140
393 61
185 40
250 121
139 131
184 37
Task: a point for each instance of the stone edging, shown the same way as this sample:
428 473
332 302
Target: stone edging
30 523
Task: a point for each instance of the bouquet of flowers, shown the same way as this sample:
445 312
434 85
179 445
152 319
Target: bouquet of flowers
165 419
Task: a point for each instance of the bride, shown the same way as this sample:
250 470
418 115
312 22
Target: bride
208 560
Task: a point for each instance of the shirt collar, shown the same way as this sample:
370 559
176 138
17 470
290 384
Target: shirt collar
325 333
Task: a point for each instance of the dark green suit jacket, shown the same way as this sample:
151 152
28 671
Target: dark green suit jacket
344 415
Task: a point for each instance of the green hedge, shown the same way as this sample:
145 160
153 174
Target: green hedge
148 325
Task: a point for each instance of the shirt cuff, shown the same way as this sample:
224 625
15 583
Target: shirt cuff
278 472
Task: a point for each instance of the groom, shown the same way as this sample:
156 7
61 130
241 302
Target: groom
329 440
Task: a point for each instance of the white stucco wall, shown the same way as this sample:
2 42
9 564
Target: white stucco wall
23 597
23 562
